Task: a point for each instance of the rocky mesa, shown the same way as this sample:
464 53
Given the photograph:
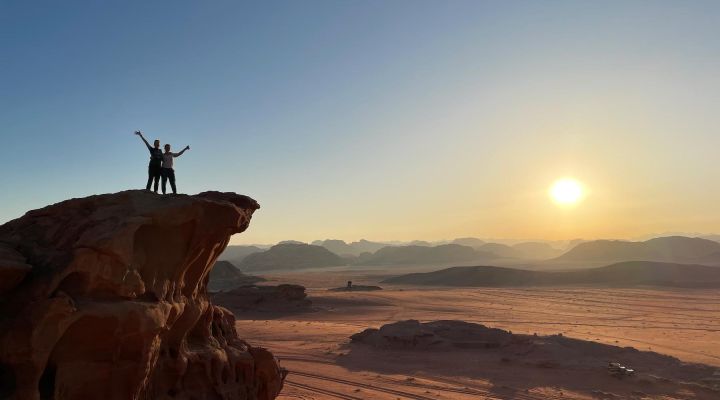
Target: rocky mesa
106 297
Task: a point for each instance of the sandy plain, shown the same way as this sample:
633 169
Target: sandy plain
315 346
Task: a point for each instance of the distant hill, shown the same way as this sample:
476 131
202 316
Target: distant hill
714 238
632 273
291 242
406 255
469 241
536 250
338 247
500 250
667 249
236 254
342 248
290 256
366 246
225 276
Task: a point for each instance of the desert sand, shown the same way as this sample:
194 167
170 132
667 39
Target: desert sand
315 346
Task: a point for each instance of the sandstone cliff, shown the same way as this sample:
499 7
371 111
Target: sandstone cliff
105 297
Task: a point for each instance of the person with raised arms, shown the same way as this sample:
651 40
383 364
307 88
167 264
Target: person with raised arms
156 158
167 171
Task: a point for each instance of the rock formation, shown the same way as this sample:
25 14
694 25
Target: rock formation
412 334
105 297
225 276
290 256
281 298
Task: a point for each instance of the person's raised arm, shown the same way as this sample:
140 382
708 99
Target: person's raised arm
181 153
143 139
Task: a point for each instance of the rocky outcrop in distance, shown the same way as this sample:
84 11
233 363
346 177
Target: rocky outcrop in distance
436 339
225 276
435 335
105 297
283 298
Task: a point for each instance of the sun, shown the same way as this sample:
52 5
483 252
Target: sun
566 191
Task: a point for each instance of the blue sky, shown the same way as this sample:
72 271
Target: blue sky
377 119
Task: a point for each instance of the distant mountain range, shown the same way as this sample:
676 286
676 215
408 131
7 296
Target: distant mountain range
419 255
666 249
341 248
469 241
235 254
632 273
534 255
291 256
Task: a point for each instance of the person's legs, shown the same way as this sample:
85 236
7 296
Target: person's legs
156 178
150 177
171 175
164 177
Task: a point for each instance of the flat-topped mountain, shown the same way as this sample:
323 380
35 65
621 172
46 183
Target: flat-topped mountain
631 273
290 256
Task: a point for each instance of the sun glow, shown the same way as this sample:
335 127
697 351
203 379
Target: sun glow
566 191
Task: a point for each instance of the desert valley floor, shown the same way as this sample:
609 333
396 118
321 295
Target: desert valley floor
315 347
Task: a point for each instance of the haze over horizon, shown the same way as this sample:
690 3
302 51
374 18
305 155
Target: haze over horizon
380 120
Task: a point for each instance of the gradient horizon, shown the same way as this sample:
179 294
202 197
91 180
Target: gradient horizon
384 120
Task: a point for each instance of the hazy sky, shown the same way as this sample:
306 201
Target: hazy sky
374 119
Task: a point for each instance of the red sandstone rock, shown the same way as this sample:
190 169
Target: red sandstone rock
105 297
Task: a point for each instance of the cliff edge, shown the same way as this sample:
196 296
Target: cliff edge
106 297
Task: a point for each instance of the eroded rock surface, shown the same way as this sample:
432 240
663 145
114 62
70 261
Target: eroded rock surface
105 297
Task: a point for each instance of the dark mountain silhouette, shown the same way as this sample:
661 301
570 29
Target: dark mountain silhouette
225 275
236 254
632 273
667 249
404 255
290 256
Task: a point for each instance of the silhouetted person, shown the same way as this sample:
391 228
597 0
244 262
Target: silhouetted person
349 285
167 171
156 158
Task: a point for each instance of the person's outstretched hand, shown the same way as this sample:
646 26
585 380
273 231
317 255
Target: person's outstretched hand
138 133
187 147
